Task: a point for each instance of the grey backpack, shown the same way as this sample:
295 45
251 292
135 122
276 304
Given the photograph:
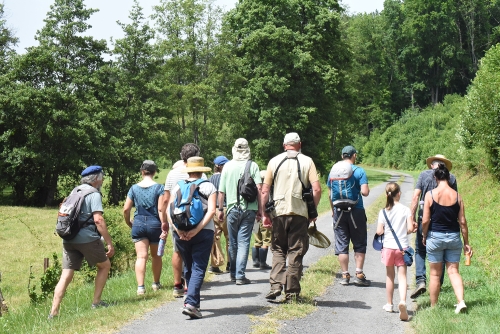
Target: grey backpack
68 225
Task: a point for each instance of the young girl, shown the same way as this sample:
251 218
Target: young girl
400 218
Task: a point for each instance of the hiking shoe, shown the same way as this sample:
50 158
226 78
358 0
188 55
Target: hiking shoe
178 292
345 279
388 308
227 268
272 294
361 280
233 279
460 307
420 289
156 286
215 270
243 281
100 304
403 312
141 291
265 266
291 298
191 311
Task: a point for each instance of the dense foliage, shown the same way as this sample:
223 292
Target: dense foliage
196 74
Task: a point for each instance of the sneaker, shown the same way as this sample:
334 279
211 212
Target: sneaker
100 304
265 266
388 308
403 312
243 281
420 289
141 291
345 279
156 286
191 311
50 317
233 279
227 268
272 294
361 280
460 307
215 270
178 292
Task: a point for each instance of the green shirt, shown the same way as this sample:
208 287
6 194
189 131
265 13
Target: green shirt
230 175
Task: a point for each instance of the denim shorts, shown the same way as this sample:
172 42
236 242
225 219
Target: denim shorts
443 246
146 227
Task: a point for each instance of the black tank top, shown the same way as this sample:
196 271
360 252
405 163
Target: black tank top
444 218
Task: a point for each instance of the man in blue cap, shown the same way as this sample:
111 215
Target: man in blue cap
350 225
87 243
216 256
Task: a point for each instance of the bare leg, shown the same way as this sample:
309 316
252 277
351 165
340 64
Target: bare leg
344 262
402 285
141 249
177 267
389 283
435 285
100 279
62 285
456 280
157 263
359 258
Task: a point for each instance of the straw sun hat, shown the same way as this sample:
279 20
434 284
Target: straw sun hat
196 165
441 158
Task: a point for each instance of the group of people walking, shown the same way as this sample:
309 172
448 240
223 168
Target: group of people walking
287 193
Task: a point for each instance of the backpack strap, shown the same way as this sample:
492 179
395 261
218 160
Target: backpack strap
85 192
298 170
246 171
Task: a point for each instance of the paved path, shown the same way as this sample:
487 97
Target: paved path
226 307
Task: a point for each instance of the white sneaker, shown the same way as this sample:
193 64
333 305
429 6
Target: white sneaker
388 308
460 307
156 286
403 312
141 291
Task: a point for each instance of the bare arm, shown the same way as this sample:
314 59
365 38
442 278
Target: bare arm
409 226
259 202
126 211
414 204
330 200
463 227
220 213
316 188
365 190
380 229
426 219
165 200
103 230
264 198
211 203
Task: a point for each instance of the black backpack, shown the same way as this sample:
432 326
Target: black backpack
246 185
68 225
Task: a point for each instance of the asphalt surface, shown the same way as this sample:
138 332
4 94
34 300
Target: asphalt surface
226 307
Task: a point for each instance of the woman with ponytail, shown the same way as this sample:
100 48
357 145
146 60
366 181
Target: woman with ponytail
400 218
442 222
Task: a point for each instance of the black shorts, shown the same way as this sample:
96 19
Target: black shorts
345 231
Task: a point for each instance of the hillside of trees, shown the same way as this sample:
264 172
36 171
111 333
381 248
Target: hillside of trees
193 73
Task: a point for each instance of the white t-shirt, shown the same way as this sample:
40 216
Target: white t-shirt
398 216
207 189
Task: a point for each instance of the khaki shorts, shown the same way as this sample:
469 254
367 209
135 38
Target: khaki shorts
263 236
73 254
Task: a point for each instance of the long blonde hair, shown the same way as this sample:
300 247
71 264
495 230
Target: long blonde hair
392 189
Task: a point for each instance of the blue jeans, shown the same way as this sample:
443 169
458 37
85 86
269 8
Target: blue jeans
195 254
239 225
420 255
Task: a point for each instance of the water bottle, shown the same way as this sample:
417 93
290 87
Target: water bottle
161 247
467 259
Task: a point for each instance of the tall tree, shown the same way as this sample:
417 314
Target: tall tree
294 63
54 112
187 40
137 115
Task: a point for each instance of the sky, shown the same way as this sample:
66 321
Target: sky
25 17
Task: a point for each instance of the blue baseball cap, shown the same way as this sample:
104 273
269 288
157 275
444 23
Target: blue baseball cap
220 160
91 170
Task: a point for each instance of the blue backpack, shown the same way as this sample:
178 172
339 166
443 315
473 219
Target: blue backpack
342 184
189 206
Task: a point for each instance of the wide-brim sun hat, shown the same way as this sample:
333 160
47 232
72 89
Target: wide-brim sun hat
316 238
441 158
241 150
196 165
